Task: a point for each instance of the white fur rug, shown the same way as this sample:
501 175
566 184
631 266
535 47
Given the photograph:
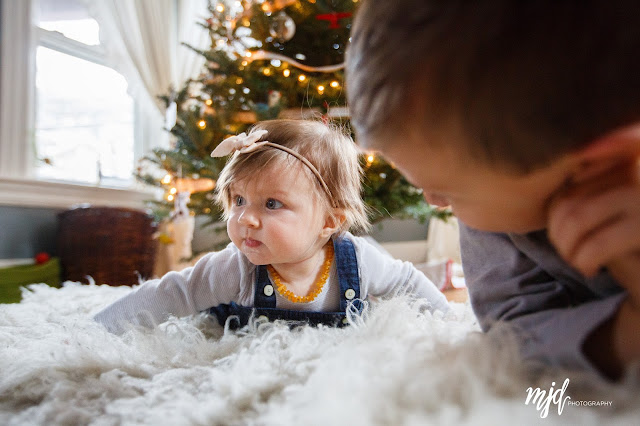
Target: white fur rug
394 366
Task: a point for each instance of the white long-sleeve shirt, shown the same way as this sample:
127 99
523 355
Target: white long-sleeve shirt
227 275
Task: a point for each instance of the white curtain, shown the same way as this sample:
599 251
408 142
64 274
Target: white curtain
189 63
143 41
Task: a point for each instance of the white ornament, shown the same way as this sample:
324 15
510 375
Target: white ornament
282 27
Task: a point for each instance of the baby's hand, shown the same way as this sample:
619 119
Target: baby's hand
595 223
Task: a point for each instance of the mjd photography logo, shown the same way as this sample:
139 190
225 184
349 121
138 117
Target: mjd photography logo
543 399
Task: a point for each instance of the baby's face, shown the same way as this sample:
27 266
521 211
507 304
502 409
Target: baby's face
275 217
483 197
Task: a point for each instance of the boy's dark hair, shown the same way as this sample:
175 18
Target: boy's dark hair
527 80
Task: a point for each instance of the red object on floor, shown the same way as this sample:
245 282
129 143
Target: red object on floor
42 258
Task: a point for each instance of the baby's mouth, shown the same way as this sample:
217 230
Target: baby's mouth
251 243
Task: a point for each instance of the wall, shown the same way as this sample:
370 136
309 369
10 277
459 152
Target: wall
399 230
24 232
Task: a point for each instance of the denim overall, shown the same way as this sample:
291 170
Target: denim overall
265 298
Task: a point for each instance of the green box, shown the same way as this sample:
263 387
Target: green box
14 277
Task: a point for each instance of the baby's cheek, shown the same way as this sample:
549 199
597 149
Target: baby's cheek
232 229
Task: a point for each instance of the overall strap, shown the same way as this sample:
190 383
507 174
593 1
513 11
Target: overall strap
264 295
348 276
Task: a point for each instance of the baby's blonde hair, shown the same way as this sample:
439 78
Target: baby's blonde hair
326 146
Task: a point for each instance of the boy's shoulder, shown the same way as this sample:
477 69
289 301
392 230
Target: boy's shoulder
507 249
514 253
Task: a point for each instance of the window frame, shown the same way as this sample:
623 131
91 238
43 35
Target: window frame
59 42
18 184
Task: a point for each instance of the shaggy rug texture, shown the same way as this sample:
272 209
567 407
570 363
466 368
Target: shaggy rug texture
397 364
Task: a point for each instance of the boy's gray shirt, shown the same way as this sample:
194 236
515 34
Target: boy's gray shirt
520 278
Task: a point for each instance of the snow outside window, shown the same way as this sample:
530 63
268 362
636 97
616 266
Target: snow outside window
84 118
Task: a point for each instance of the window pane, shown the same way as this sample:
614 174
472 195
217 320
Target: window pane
71 18
84 120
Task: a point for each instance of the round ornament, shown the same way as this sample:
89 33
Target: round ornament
282 27
42 258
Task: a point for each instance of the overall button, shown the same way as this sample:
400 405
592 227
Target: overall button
345 321
263 318
349 294
268 290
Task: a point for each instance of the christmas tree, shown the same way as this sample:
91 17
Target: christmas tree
268 59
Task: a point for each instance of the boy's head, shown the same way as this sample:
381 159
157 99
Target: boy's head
510 88
332 153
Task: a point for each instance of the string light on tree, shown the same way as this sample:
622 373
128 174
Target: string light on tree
266 56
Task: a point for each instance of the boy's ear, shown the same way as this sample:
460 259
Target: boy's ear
619 146
332 223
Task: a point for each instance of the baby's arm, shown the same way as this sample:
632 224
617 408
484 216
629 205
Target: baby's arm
554 318
385 276
213 280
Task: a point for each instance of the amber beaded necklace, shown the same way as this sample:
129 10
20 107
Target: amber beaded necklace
317 286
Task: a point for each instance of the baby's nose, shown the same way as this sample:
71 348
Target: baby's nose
249 218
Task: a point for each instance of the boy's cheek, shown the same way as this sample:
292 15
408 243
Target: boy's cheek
437 200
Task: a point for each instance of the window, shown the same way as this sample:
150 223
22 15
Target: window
84 118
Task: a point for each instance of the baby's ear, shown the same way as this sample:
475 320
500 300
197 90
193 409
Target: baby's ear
333 222
619 146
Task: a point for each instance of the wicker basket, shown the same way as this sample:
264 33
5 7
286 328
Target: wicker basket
112 245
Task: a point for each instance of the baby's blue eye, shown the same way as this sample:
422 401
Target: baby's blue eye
239 200
273 204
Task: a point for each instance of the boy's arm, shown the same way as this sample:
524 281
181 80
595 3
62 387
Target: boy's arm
619 333
554 319
595 223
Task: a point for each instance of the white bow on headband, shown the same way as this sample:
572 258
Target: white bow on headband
243 143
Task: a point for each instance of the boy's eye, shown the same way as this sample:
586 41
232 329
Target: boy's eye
273 204
239 200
